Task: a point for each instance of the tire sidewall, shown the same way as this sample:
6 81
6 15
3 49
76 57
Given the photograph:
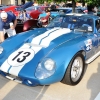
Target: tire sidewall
78 55
67 77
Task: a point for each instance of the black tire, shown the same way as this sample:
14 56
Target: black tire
74 73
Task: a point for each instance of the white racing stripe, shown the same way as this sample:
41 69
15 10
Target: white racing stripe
45 42
5 66
37 39
43 39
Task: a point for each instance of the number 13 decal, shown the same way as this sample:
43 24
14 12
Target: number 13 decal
24 56
20 57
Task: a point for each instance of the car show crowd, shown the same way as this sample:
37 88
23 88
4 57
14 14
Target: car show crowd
43 13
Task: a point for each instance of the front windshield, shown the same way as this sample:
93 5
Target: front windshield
72 22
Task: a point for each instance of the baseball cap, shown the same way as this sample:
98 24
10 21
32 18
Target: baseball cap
3 15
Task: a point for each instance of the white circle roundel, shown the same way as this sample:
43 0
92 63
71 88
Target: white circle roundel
20 57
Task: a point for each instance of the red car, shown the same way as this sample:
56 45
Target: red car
35 11
14 9
3 7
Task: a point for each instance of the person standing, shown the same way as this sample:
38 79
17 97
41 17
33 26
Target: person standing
24 16
52 6
35 3
45 3
8 23
91 9
44 17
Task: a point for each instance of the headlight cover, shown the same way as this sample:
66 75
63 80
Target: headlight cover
45 69
1 49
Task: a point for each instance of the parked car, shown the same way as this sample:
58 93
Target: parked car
13 9
3 7
16 9
59 52
35 11
66 10
26 25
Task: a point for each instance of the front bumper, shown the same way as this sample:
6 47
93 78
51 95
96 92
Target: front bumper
21 80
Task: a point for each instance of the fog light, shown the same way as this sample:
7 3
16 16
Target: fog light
29 82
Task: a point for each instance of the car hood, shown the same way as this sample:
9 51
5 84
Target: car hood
26 5
36 43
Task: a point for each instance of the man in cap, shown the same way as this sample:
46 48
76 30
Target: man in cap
8 23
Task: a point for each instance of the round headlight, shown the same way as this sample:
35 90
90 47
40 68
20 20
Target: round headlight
45 69
49 64
1 49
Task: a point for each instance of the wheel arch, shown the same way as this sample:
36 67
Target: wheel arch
67 64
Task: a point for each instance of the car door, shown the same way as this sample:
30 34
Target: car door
92 39
97 31
95 37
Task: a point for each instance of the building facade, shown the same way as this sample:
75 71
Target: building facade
11 2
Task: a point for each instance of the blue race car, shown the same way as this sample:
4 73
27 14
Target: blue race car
58 52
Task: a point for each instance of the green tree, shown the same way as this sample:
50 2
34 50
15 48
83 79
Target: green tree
94 2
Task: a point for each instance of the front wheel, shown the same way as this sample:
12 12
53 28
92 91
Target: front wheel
75 70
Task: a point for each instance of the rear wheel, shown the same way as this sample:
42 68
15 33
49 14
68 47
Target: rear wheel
75 70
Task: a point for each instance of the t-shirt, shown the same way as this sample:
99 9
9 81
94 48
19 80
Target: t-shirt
6 25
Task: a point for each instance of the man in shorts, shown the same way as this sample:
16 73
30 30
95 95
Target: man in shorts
8 23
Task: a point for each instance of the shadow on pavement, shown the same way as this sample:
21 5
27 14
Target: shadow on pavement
3 81
10 90
93 83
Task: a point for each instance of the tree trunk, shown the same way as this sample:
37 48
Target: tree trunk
73 4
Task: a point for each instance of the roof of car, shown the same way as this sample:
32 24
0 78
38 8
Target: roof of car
77 14
85 15
64 8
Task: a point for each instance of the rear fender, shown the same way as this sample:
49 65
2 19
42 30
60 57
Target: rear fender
29 24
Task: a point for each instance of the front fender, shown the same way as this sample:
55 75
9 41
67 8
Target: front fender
62 56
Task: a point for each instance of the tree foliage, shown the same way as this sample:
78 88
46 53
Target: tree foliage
94 2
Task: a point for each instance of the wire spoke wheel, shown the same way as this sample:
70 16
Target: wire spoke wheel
76 69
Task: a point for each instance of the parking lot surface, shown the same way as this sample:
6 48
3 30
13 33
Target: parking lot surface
87 89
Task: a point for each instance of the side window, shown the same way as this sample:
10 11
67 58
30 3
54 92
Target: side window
98 25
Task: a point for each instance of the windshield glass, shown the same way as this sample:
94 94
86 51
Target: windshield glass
72 22
31 8
56 22
19 8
